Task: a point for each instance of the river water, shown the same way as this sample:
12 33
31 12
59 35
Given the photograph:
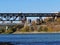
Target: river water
31 39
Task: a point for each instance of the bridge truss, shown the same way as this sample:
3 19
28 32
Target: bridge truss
22 16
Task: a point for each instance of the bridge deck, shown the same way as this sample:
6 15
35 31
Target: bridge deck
30 14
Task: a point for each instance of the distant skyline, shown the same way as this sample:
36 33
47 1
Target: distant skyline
31 6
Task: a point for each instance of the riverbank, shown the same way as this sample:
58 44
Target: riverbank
32 32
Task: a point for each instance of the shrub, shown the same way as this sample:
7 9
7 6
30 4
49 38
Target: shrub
45 29
40 29
9 31
50 29
2 30
25 29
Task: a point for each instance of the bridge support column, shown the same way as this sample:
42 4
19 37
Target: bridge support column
37 21
11 21
6 28
40 19
23 19
54 18
3 22
29 21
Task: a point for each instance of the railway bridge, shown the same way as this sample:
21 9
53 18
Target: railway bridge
23 16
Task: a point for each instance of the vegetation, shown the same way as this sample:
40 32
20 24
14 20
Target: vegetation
25 29
48 25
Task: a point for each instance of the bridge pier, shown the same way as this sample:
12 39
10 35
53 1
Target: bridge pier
11 21
54 18
40 18
3 22
29 21
38 21
6 28
23 19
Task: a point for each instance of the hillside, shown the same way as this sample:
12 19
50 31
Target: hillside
46 25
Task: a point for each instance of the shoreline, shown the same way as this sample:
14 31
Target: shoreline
34 32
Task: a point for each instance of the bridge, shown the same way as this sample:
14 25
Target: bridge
22 16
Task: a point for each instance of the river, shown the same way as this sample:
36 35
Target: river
32 39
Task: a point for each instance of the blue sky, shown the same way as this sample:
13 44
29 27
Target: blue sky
29 6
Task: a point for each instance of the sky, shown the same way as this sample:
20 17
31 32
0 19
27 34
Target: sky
31 6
